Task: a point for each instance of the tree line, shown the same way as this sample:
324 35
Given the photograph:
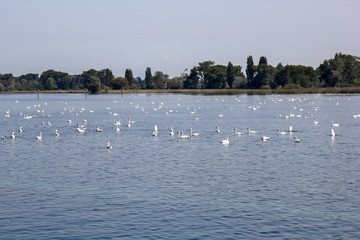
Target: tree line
341 71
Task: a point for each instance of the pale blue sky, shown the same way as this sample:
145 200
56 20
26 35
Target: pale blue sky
171 35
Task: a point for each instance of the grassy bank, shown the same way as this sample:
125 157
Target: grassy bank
349 90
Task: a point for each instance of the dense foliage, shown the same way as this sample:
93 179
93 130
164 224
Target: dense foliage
341 71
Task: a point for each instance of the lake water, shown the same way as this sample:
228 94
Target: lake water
146 187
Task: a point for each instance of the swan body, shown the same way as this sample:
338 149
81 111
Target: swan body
81 130
182 136
57 133
20 129
39 137
171 132
296 139
226 141
109 145
334 124
236 132
155 133
193 134
281 133
250 131
156 128
217 129
265 138
316 122
12 135
98 129
332 132
291 129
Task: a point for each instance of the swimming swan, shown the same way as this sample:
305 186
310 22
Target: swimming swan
226 141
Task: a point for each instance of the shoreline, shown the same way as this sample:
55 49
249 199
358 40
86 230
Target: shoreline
345 90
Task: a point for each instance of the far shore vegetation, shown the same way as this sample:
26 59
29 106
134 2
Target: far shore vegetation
339 75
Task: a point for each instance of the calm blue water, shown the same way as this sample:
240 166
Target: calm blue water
146 187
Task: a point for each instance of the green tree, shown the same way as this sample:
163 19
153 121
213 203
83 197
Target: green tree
192 81
263 60
50 84
215 78
129 77
148 79
230 74
250 72
94 85
119 83
105 76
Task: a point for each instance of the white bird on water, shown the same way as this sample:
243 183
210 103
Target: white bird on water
20 129
281 133
332 132
193 134
291 129
182 136
217 129
39 137
236 132
226 141
171 131
296 139
98 129
265 138
334 124
109 145
250 131
12 135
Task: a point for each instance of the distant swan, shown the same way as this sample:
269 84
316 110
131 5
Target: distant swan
182 136
98 129
155 133
12 135
226 141
156 128
264 138
249 131
109 145
236 132
281 133
217 129
291 129
316 122
39 137
332 132
57 133
193 134
171 131
334 124
20 129
296 140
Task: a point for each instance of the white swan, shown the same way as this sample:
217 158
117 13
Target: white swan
98 129
217 129
226 141
109 145
39 137
69 121
12 135
57 133
281 133
265 138
182 136
355 116
155 133
296 139
81 130
236 132
20 129
316 122
332 132
250 131
193 134
334 124
156 128
171 131
291 129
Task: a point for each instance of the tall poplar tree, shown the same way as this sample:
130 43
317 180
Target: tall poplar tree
129 76
230 74
250 71
148 79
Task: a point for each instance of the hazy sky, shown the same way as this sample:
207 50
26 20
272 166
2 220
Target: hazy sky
171 35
